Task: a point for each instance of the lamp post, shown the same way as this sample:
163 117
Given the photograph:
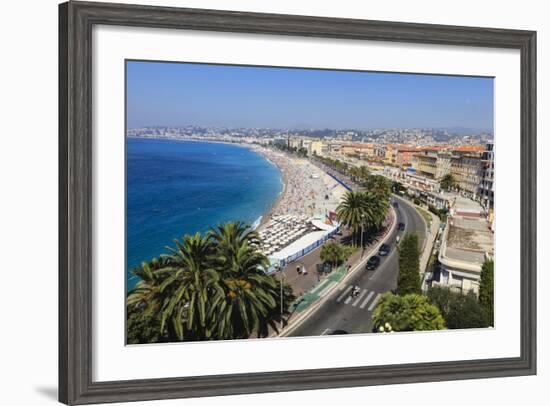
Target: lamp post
280 269
362 232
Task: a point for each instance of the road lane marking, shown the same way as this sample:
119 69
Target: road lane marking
374 302
344 293
360 297
325 332
347 300
327 289
366 300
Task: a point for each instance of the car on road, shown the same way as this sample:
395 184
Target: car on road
401 226
338 332
395 204
373 262
384 250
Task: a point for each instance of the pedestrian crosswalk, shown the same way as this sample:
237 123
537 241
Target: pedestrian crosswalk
364 298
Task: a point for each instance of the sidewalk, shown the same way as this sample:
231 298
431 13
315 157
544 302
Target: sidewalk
431 237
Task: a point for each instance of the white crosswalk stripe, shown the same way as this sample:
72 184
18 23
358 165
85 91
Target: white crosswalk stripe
359 297
344 293
374 302
366 300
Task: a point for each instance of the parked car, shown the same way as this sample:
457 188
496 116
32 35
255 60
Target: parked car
373 262
384 250
401 226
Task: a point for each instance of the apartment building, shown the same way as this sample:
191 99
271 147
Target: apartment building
486 187
466 169
467 243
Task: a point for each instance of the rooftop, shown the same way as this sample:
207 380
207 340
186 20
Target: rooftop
465 236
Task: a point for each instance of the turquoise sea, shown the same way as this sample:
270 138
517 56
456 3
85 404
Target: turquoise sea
175 188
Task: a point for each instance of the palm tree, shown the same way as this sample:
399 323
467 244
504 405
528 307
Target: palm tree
208 287
250 295
354 173
364 173
190 290
376 209
144 302
379 185
334 253
351 212
146 294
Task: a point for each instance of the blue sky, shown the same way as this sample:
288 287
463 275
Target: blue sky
180 94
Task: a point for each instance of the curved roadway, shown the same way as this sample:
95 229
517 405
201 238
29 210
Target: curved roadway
354 314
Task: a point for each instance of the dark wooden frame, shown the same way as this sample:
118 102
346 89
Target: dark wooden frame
75 204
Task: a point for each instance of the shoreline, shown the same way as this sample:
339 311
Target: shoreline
333 190
285 197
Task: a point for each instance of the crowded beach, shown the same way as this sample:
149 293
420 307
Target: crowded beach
308 193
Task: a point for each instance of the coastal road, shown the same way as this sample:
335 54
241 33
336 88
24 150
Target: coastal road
354 314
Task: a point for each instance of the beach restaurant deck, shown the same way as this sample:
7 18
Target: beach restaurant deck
318 231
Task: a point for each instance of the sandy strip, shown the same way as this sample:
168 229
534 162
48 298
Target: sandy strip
307 190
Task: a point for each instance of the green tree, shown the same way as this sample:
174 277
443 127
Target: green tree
459 311
379 185
363 173
142 329
375 208
207 287
406 313
351 212
408 280
362 210
250 293
190 290
334 253
144 303
448 182
147 295
486 289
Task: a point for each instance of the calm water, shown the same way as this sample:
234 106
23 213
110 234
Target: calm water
176 188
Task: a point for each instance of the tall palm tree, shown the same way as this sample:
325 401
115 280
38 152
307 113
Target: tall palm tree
375 208
190 289
379 185
250 294
334 253
364 173
144 302
351 212
146 295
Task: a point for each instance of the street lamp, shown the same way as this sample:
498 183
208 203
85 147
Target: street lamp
280 269
362 232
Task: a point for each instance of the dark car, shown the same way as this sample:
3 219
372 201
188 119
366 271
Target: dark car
401 226
373 262
384 250
338 332
395 204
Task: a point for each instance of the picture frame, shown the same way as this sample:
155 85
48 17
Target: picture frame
76 20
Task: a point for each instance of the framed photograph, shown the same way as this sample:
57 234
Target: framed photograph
259 202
